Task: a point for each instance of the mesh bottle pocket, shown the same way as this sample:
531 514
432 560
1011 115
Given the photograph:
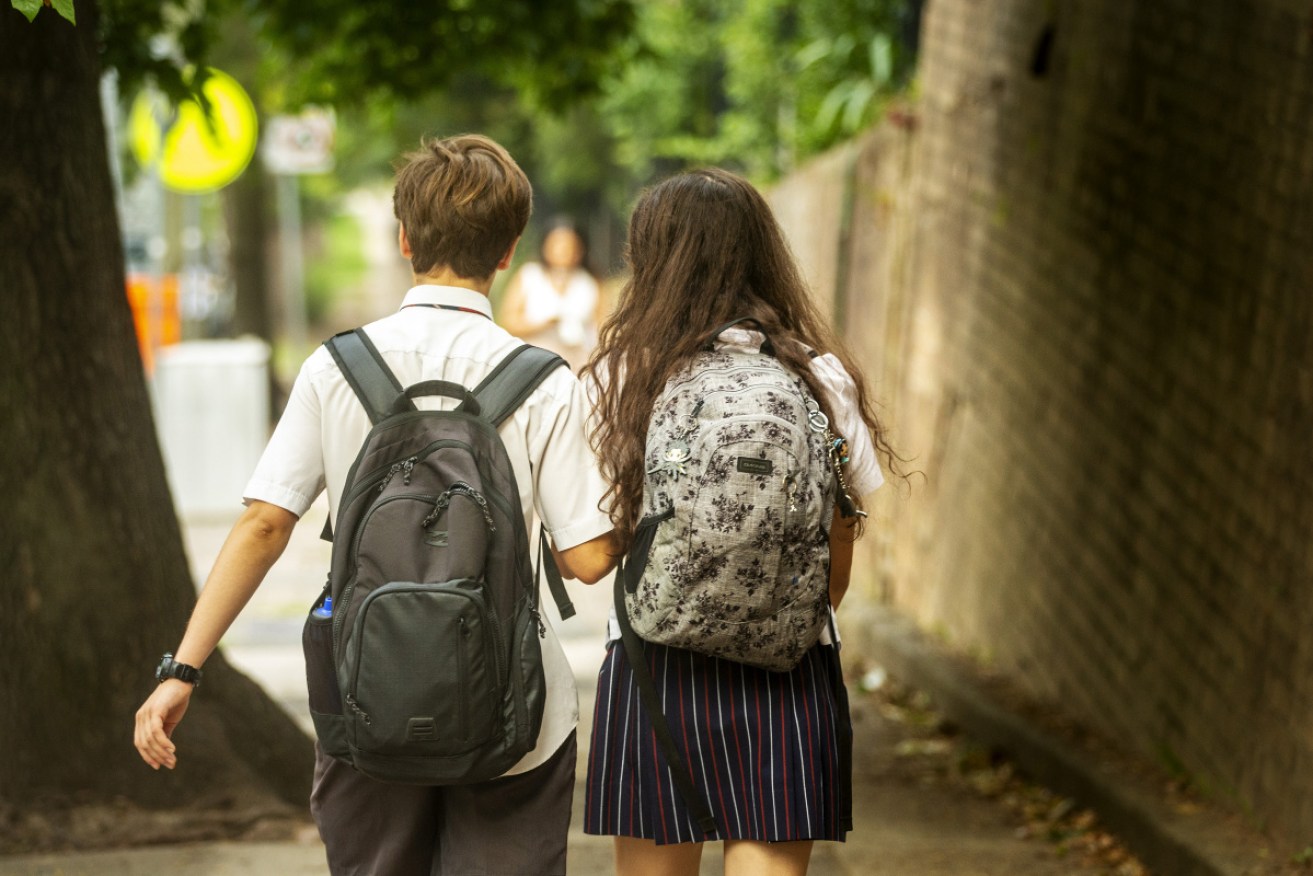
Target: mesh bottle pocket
320 673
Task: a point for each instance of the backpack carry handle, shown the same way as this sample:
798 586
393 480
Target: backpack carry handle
766 346
469 403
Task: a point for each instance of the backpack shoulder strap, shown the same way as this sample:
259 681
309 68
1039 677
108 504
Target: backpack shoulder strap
767 346
499 395
514 378
369 377
626 579
364 369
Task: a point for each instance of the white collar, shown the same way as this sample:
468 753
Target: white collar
449 296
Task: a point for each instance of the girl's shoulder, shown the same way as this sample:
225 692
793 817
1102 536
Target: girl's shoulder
829 371
863 470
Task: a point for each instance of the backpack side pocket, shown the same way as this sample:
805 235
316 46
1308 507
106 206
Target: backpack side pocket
321 681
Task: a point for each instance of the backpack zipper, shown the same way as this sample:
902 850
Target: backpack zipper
339 610
406 467
364 484
461 664
355 707
443 502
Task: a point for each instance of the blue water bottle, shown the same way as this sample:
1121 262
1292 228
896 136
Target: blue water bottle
324 610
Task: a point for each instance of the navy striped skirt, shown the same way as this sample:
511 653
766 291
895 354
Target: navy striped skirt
769 750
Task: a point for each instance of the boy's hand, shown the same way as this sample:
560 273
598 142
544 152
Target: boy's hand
156 719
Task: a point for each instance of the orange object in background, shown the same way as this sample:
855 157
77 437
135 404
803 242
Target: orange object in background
154 302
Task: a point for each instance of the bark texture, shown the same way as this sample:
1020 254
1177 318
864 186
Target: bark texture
96 582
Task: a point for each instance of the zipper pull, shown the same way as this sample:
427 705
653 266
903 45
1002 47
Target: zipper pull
487 515
439 506
542 627
407 468
387 478
355 707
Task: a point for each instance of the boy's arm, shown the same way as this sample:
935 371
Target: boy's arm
843 533
258 538
590 561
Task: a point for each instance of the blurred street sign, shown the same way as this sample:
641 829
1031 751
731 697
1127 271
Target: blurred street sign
300 144
193 153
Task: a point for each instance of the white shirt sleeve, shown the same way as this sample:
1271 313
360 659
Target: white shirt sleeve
863 470
290 473
567 483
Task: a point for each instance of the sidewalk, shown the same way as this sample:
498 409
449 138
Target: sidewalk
911 821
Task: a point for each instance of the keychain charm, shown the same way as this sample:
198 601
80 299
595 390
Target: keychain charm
677 452
672 460
816 418
836 448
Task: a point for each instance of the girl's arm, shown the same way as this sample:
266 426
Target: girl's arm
843 533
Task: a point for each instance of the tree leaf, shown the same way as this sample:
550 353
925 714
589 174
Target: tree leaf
833 105
859 99
882 58
813 52
65 8
29 8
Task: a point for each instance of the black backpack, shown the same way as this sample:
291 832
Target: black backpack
427 667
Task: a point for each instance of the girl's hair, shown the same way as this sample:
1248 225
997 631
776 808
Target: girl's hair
703 249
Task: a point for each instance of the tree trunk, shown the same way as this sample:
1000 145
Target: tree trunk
247 208
96 582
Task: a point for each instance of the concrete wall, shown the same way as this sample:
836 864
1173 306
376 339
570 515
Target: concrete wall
1083 285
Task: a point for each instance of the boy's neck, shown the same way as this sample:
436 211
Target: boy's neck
448 277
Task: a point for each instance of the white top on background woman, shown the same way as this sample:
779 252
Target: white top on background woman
554 302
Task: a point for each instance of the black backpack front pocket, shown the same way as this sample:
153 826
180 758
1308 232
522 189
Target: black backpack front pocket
437 694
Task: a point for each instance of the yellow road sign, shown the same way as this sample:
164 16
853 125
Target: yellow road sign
195 154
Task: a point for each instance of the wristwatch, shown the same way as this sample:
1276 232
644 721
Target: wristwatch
170 668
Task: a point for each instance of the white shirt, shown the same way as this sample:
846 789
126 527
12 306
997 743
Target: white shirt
574 308
321 431
863 470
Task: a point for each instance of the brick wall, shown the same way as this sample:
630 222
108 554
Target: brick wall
1084 290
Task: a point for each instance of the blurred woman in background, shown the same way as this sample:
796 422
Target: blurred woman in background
555 301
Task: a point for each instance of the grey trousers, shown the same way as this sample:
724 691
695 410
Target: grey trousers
512 826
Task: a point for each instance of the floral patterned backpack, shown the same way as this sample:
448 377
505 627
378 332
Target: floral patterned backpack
731 556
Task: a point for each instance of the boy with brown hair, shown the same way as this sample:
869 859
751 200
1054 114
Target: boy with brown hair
462 204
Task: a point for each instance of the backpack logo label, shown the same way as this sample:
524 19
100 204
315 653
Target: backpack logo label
421 730
753 465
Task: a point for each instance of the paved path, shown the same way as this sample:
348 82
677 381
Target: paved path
908 824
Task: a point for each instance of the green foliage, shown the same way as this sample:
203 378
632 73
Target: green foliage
30 8
345 51
339 266
756 85
595 98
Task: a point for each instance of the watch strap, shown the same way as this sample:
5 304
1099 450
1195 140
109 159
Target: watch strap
170 668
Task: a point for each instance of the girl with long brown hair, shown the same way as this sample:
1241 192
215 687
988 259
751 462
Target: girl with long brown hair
767 749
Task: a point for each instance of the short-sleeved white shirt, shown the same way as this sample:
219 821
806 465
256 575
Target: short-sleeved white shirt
324 425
